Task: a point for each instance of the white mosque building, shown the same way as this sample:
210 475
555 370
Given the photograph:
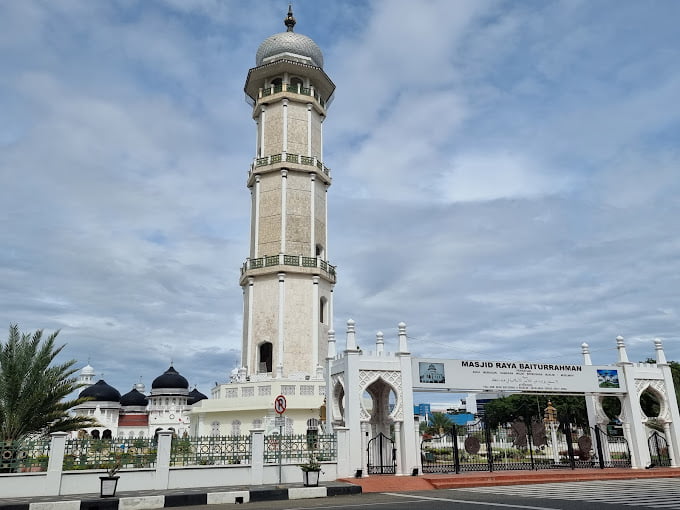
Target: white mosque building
135 414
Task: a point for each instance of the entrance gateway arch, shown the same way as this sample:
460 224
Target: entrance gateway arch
370 394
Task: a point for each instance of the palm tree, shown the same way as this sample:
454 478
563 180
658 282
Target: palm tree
437 424
33 389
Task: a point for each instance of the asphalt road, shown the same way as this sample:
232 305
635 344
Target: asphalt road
661 493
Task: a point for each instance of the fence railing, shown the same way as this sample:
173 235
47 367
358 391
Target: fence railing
288 260
211 450
299 448
105 453
305 91
291 158
25 455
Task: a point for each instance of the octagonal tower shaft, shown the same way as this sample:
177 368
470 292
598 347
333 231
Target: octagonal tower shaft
287 280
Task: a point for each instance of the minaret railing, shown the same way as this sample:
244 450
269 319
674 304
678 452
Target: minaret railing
288 260
295 89
291 158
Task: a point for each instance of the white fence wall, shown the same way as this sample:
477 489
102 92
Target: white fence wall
56 482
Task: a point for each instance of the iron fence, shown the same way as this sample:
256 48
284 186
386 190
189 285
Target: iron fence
299 448
211 450
24 455
106 453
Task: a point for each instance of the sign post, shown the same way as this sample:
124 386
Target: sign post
280 408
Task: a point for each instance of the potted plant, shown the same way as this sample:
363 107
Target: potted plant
110 481
310 472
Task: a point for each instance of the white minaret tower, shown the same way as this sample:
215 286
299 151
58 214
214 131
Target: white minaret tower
287 280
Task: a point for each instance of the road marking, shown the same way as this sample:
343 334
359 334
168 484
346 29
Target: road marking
662 493
483 503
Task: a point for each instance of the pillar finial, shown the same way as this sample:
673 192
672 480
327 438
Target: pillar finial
289 21
379 343
660 354
331 344
403 342
585 350
351 336
621 346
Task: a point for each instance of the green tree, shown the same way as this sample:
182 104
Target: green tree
33 388
437 424
570 409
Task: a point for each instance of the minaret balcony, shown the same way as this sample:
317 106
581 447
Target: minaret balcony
292 162
287 263
295 89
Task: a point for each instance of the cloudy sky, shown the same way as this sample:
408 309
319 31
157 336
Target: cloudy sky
506 176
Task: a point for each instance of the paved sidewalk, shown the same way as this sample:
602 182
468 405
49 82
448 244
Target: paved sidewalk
141 500
388 483
151 499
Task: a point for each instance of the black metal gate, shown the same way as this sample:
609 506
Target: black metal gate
610 450
437 452
382 456
517 446
658 450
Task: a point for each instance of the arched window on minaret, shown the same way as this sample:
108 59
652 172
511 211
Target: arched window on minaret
320 251
297 85
277 83
323 304
265 362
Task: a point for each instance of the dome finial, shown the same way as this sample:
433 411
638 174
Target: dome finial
290 20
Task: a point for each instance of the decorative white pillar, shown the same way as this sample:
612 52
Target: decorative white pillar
379 343
282 297
330 308
321 139
284 127
365 432
621 347
591 399
585 351
325 212
263 110
163 459
249 364
398 441
403 342
351 344
256 233
312 230
309 130
671 402
330 356
670 441
315 323
257 457
633 428
284 197
52 485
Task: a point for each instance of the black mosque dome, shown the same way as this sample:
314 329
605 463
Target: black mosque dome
170 379
101 392
195 396
289 42
134 398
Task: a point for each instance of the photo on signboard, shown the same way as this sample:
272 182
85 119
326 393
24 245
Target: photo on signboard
607 378
431 372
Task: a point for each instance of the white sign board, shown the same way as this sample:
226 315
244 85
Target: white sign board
432 374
